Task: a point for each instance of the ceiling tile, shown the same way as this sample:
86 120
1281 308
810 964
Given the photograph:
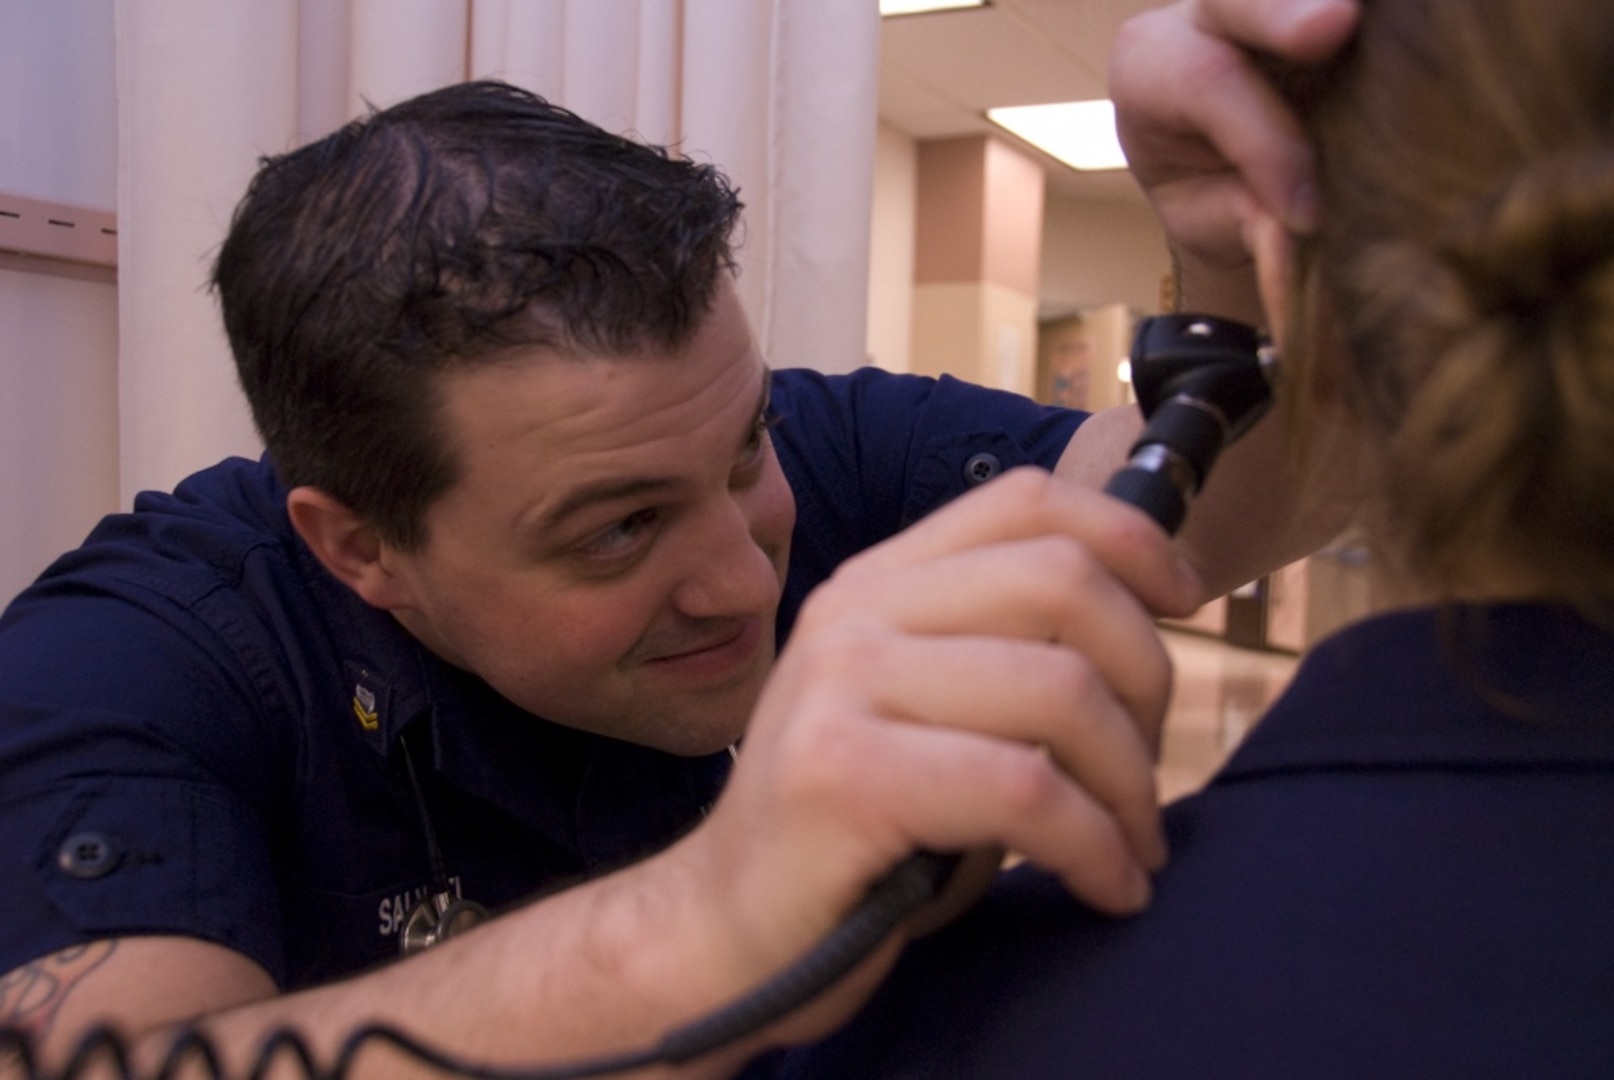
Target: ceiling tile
939 73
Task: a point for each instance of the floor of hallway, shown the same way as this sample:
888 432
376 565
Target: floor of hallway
1220 691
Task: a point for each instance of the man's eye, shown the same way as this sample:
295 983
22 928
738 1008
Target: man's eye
759 434
622 537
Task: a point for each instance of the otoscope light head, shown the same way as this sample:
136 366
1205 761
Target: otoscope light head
1225 364
1202 382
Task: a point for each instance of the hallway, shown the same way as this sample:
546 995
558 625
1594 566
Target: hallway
1221 690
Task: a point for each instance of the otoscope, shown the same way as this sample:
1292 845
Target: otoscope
1201 383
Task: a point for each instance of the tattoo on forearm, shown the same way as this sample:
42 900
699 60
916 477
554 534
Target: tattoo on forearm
31 997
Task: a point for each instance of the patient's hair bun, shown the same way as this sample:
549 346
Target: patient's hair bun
1502 456
1545 238
1465 264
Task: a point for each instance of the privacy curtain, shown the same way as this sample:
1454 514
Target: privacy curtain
780 94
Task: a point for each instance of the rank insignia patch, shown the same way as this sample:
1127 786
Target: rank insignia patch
364 707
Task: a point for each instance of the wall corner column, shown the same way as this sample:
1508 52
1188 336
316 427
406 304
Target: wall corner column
977 261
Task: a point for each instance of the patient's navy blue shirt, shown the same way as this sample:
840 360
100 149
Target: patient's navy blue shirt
200 727
1402 873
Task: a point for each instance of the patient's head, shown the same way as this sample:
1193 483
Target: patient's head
1466 263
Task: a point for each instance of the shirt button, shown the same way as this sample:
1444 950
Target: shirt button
89 855
980 468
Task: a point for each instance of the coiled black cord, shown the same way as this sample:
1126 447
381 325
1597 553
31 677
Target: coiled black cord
106 1047
1202 382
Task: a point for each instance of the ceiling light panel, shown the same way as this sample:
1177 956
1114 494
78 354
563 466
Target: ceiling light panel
919 7
1079 133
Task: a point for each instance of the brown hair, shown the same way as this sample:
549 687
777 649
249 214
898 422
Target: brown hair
1466 263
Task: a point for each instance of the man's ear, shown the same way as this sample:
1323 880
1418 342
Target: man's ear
347 546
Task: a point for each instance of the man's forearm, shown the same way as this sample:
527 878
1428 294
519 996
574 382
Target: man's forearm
602 969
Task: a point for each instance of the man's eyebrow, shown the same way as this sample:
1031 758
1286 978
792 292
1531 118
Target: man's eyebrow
603 491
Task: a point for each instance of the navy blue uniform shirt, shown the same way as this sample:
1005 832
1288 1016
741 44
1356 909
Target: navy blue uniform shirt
199 727
1403 873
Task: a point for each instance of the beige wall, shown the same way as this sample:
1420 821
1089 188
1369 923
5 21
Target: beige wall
1014 218
1092 254
978 239
1101 252
952 189
984 334
989 198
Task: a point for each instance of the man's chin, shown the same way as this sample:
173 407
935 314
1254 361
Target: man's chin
689 743
694 729
704 724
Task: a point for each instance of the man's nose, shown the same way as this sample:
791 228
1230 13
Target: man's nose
731 570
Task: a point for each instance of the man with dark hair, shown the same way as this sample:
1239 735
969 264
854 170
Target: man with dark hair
492 614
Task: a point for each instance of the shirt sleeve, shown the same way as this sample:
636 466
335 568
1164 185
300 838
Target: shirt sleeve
870 453
134 778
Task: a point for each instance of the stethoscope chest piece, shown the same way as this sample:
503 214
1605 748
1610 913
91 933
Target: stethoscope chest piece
437 918
440 915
